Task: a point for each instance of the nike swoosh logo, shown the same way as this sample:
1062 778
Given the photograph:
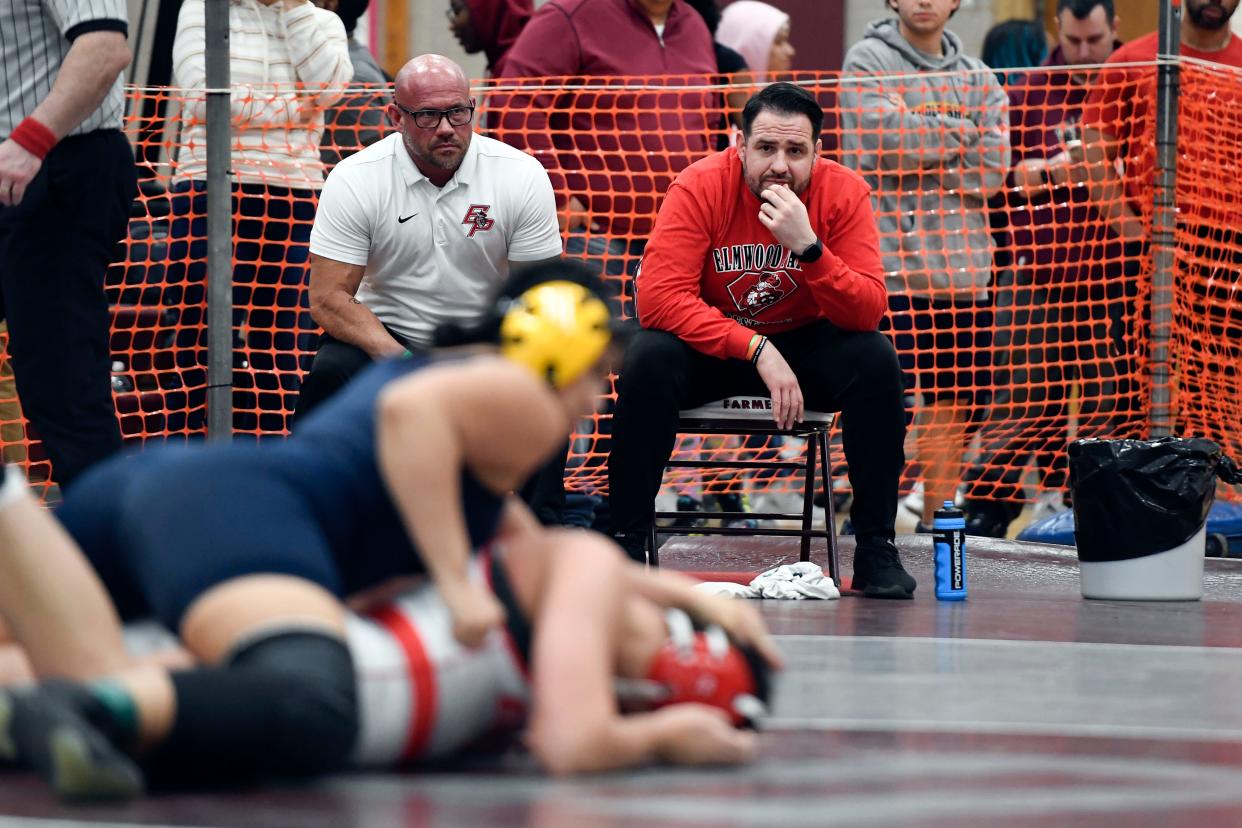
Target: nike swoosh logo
407 218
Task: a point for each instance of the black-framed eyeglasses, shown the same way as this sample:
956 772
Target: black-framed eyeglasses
430 118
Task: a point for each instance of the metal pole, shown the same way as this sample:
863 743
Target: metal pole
219 226
1164 225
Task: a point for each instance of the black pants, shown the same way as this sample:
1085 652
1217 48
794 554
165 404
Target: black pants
847 371
337 362
55 247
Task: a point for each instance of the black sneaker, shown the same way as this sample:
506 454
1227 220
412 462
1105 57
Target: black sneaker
878 572
41 732
731 502
989 519
686 503
922 528
634 544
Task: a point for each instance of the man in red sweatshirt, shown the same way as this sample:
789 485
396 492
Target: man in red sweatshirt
763 276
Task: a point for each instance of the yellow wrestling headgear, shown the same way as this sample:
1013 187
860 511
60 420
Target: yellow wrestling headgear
558 329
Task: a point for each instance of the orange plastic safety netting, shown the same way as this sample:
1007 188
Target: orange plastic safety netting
1207 307
1018 292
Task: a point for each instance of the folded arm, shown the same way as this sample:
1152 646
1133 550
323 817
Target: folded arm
984 163
884 134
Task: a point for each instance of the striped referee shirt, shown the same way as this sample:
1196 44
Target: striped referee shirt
35 36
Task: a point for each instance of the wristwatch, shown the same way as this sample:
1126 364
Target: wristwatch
812 253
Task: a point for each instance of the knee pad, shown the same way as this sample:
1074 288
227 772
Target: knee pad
313 700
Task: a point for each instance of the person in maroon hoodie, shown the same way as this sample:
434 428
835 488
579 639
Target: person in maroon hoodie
1060 317
763 276
611 155
489 26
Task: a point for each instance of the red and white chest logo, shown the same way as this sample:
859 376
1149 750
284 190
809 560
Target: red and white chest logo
477 220
754 292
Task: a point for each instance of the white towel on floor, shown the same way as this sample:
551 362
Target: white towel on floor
727 589
790 582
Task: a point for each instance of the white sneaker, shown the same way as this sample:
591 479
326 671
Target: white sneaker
913 502
780 502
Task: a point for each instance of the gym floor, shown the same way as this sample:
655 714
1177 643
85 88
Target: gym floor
1025 704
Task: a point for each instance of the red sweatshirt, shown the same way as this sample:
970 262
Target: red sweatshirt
715 276
1122 103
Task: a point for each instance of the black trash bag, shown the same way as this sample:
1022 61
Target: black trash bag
1134 498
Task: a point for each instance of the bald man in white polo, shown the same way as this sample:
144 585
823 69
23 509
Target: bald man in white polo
419 229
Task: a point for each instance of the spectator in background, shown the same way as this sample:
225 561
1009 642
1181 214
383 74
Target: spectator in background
357 120
612 155
67 181
489 26
1118 123
1014 44
1119 129
288 62
934 150
1058 318
760 33
731 67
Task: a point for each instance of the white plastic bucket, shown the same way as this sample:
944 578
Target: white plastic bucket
1172 575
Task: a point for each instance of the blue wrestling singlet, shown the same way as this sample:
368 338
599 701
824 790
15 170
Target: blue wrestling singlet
164 527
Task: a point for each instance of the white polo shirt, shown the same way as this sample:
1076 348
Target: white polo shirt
435 254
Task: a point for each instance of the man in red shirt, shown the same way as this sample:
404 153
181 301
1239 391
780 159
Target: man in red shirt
1119 129
1118 120
763 276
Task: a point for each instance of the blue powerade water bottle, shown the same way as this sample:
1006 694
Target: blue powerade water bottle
949 537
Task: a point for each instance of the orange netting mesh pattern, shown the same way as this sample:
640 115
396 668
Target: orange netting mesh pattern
1207 307
1049 308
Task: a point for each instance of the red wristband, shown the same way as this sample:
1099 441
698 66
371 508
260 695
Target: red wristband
34 137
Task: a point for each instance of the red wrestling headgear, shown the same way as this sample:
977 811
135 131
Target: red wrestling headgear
704 666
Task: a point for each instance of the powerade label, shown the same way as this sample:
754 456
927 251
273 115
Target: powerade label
950 548
956 558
